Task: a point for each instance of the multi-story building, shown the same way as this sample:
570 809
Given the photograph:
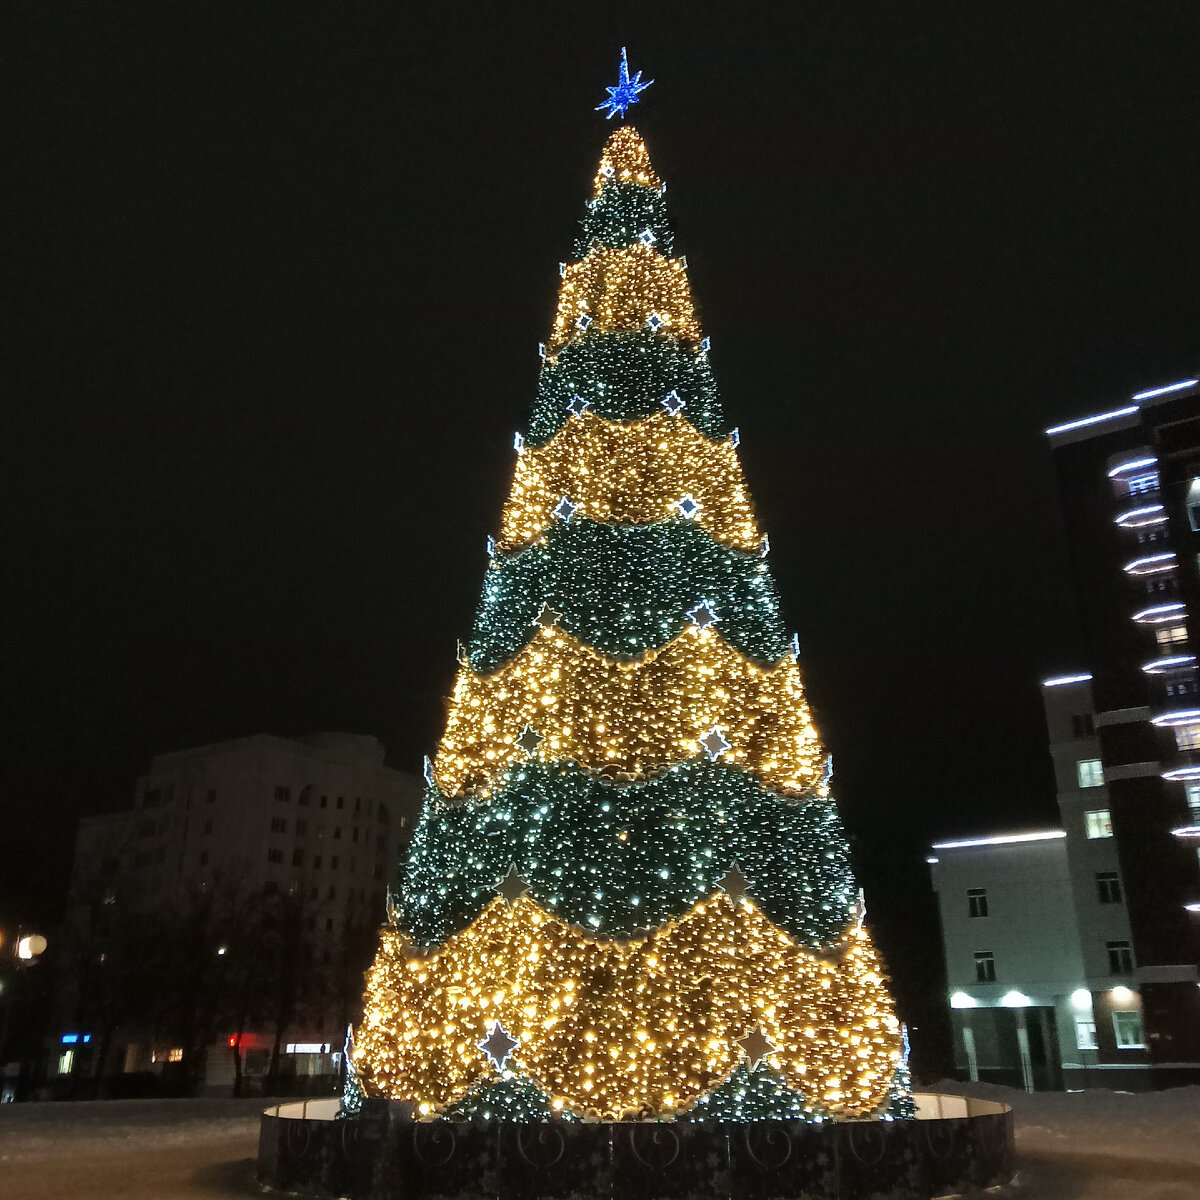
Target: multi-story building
312 828
1125 739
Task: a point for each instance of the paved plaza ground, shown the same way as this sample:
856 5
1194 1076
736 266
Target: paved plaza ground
1081 1146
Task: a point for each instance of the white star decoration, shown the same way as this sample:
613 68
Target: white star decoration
714 743
687 507
530 740
429 779
703 615
673 402
547 617
733 883
564 510
498 1045
578 406
512 887
756 1046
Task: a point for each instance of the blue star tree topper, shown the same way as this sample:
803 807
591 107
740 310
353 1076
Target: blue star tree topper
626 91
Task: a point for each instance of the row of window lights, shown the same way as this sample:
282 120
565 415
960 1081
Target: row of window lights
1120 961
1108 891
1127 1023
161 797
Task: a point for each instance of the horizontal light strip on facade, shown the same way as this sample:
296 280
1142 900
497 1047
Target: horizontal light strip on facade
1140 518
1063 680
1181 716
1008 839
1108 416
1162 391
1159 613
1180 774
1132 464
1156 666
1151 564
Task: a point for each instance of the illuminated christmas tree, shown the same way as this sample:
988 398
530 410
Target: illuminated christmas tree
629 894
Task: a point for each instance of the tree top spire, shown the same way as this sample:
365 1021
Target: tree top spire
625 159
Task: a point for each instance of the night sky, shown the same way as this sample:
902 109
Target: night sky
276 277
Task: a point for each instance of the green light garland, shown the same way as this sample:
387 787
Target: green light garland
752 1095
625 589
613 860
620 215
624 376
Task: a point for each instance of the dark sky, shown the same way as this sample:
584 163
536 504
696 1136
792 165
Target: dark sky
277 273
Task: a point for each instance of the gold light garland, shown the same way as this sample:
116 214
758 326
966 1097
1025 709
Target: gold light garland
625 159
623 289
643 1027
631 719
632 473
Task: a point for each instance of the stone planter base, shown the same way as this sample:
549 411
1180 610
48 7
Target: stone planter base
954 1144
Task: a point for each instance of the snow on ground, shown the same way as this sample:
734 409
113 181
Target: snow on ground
1092 1145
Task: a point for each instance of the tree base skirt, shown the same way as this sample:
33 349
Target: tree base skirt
953 1145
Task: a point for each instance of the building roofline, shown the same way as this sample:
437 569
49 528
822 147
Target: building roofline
1118 418
1003 839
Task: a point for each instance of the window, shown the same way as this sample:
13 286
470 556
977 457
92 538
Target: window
328 924
1187 737
283 794
278 825
1089 772
1156 586
977 902
324 801
1182 688
1098 823
333 893
1108 887
297 857
358 804
147 828
985 966
305 796
1170 636
204 858
301 827
337 833
208 826
333 862
275 855
354 834
316 862
1192 791
1139 485
1085 1035
1128 1029
1082 725
1193 503
341 801
1120 958
151 798
211 798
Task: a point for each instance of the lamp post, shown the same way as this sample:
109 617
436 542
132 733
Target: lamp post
22 951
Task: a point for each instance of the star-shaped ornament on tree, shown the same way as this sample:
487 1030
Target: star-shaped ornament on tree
512 887
625 93
564 510
673 403
687 507
703 615
530 740
498 1045
756 1046
578 406
734 883
429 777
714 743
547 617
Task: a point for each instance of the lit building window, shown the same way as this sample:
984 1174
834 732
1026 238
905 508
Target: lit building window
1089 772
1193 503
1169 636
1127 1026
1187 737
175 1054
1120 958
1098 823
1146 481
1108 887
977 905
985 966
1085 1035
1192 791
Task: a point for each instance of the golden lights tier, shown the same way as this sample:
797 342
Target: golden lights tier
630 719
623 1029
656 469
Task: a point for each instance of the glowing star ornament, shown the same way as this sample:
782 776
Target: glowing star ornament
578 405
428 772
498 1045
626 92
564 510
512 887
647 238
655 322
688 507
756 1046
547 617
673 403
714 743
703 615
733 883
529 740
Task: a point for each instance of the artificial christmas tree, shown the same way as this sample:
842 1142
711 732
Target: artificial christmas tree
629 895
